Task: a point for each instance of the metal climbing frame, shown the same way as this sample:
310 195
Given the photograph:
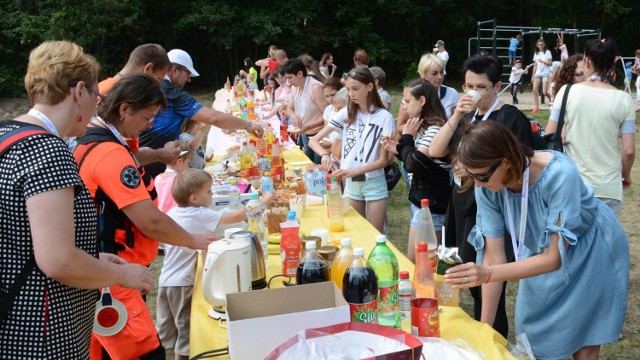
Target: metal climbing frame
495 38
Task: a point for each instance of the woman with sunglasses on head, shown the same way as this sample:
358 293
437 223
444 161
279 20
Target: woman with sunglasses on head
482 73
126 200
430 178
597 116
363 124
48 224
571 251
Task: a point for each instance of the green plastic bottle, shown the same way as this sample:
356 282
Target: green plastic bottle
385 264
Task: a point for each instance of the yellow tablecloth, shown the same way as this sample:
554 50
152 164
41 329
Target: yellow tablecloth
206 334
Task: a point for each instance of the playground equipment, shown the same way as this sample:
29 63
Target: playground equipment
494 39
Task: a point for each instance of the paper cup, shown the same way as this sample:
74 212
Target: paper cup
475 97
230 231
296 206
346 203
323 234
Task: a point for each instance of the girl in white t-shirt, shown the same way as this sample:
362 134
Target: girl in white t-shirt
363 124
541 72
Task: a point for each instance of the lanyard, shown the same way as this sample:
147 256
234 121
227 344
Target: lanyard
45 120
113 129
517 247
486 115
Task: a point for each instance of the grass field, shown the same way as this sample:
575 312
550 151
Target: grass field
398 228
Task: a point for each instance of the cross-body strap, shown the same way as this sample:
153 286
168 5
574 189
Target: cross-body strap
7 141
557 136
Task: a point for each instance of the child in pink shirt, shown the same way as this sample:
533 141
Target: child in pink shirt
164 181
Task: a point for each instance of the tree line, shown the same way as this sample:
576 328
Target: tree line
219 34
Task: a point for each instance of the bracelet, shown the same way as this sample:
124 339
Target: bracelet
490 272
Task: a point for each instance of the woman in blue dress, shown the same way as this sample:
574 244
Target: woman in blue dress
572 258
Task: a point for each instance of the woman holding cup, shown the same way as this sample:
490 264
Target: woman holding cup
482 74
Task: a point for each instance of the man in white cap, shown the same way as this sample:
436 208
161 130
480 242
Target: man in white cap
182 106
442 53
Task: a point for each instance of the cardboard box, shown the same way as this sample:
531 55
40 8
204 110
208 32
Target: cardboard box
259 321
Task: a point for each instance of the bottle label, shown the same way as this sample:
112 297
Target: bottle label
388 300
433 259
366 312
425 317
404 301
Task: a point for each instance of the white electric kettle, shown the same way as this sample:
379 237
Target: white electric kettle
227 269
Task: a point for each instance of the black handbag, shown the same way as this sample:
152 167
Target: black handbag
392 175
554 140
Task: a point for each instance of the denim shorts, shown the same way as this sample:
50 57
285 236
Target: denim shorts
512 54
371 189
438 219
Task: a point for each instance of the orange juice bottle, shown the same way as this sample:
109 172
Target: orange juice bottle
341 262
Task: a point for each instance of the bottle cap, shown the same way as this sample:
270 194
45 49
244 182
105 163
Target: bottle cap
404 274
310 245
291 215
424 202
422 246
234 182
254 196
334 179
381 239
345 242
267 173
358 252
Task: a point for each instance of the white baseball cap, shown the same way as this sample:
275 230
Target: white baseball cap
181 57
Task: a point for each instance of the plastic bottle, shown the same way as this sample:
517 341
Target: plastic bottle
360 289
312 268
385 264
255 222
227 85
255 167
290 244
234 194
342 261
427 234
334 207
268 134
245 161
425 319
228 109
404 295
266 182
277 163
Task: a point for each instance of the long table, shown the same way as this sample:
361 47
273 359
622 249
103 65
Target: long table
207 334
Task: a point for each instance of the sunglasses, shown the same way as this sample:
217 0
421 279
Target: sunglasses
483 177
350 74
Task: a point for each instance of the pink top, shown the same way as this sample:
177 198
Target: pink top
163 188
564 53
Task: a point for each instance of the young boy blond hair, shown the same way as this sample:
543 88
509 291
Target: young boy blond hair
192 192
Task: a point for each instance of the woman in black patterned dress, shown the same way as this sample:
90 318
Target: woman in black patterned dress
46 213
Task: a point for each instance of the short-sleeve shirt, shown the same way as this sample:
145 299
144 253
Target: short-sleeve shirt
111 167
163 183
542 69
197 162
424 138
385 97
167 124
449 100
361 139
513 44
34 166
594 120
179 266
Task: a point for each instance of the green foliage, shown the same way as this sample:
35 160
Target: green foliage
220 33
